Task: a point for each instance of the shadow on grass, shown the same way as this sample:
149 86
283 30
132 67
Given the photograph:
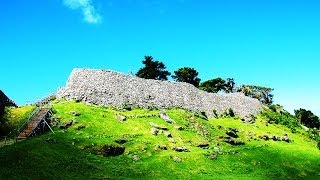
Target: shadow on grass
36 158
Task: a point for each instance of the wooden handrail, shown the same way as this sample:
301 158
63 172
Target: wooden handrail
25 123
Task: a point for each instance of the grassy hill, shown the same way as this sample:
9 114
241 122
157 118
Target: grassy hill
12 119
83 150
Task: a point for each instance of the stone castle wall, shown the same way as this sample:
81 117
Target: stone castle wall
109 88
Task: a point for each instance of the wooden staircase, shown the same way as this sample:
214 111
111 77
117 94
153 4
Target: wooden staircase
37 123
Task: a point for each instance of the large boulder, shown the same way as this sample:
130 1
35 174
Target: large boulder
111 150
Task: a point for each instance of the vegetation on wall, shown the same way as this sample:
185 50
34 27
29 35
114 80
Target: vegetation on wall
157 70
263 94
188 75
153 69
214 85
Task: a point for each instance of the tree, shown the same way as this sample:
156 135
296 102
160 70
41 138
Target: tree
153 69
307 118
213 85
263 94
188 75
229 85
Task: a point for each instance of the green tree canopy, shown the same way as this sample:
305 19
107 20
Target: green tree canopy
188 75
307 118
213 85
229 85
263 94
153 69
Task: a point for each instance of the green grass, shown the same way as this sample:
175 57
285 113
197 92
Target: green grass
13 118
72 154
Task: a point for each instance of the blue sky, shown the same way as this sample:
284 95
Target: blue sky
269 42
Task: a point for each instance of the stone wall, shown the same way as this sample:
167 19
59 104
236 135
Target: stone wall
109 88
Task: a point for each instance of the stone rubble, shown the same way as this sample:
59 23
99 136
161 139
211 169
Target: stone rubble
109 88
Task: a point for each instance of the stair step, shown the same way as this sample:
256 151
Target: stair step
36 119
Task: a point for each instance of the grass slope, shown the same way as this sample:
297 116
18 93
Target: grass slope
13 117
72 153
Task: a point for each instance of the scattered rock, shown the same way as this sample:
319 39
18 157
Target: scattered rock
66 125
167 134
176 159
276 138
172 140
234 130
162 147
164 128
120 141
55 121
286 138
80 127
232 134
121 118
203 145
74 113
154 131
251 135
265 137
158 126
233 141
249 119
136 158
217 150
154 125
220 127
165 117
111 150
180 128
181 149
212 156
200 128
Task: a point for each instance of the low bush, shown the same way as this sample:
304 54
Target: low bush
275 114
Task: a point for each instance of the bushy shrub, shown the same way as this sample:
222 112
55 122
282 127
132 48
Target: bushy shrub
226 114
307 118
6 127
314 134
215 113
276 115
201 115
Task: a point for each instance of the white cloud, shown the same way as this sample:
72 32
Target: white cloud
90 14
